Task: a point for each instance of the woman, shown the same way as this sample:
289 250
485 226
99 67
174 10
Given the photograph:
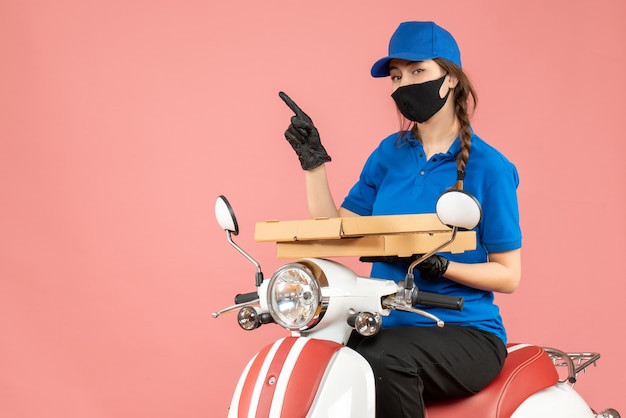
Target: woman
413 361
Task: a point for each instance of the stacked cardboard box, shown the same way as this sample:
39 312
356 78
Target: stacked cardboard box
401 235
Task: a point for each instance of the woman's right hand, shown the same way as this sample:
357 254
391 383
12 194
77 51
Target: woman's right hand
304 138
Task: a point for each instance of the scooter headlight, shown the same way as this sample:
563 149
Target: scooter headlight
294 297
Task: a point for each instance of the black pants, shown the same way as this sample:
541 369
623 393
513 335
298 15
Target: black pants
413 365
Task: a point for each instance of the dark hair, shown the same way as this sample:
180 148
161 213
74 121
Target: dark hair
463 108
463 92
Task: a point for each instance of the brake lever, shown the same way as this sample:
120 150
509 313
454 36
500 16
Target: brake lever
234 307
398 303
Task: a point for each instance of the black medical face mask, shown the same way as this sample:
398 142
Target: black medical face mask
419 102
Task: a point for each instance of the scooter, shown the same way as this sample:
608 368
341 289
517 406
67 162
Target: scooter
311 373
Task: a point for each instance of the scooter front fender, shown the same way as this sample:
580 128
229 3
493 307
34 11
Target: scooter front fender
305 377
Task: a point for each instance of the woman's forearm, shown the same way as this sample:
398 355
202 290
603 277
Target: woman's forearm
319 199
501 274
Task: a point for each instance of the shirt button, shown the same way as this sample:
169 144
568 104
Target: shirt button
422 173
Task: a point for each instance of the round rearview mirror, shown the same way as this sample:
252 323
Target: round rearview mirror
225 215
457 208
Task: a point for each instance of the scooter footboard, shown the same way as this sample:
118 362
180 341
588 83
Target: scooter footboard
305 377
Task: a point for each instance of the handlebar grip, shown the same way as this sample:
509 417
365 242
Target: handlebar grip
246 297
438 301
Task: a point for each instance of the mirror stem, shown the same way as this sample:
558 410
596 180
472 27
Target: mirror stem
259 273
409 281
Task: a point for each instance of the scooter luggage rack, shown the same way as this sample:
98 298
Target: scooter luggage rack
575 362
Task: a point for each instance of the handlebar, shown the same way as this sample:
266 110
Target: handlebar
246 297
437 301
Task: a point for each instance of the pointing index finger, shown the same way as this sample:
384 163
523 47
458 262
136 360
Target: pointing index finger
292 105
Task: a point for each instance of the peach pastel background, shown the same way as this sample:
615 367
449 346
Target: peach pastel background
121 121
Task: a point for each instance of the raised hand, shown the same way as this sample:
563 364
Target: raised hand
304 138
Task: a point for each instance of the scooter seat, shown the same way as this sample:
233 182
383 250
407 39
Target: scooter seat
527 369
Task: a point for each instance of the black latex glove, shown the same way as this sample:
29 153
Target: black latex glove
432 268
304 137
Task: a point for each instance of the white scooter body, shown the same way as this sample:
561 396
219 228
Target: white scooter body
312 374
278 382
